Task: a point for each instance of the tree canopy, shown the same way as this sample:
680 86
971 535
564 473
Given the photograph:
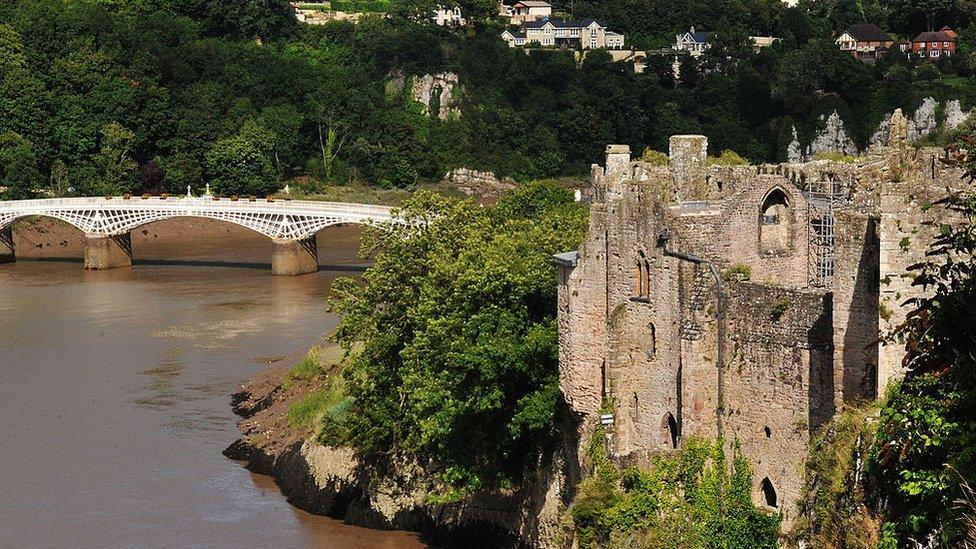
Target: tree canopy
182 79
453 334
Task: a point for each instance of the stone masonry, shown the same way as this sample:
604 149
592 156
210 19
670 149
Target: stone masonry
744 302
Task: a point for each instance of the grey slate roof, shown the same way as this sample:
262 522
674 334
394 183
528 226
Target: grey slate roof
559 24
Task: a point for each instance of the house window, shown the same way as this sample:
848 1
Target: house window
934 53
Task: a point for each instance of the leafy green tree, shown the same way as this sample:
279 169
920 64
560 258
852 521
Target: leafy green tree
113 169
454 334
181 170
18 167
241 165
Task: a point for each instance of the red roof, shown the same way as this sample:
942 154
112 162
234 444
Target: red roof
938 36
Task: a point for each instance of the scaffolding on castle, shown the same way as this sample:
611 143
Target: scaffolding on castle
823 198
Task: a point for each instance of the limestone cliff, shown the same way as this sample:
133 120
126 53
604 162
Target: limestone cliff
335 482
832 136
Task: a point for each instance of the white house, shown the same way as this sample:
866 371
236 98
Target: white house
530 10
694 42
584 35
449 17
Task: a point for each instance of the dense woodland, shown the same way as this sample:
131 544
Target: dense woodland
104 97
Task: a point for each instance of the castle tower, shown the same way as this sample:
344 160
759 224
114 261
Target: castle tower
687 155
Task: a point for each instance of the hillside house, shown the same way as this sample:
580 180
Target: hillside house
935 45
583 35
449 16
866 42
529 10
694 42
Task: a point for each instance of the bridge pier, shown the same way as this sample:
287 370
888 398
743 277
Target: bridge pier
7 254
108 252
294 257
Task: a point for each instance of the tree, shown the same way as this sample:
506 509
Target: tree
18 167
115 166
241 165
455 334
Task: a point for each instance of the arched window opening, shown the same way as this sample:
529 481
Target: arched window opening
647 279
651 340
669 431
643 286
639 289
769 493
774 223
768 432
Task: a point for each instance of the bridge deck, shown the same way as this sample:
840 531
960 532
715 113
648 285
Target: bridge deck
281 219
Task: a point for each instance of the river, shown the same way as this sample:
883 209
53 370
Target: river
115 390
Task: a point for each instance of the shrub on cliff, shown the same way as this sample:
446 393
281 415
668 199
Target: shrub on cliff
456 322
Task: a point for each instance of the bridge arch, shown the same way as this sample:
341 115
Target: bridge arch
291 225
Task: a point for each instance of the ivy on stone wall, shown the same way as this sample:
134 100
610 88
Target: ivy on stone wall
687 498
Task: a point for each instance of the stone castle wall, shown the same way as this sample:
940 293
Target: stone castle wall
642 327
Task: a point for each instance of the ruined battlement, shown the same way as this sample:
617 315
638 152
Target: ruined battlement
758 317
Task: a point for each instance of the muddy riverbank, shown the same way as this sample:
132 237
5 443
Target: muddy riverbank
334 482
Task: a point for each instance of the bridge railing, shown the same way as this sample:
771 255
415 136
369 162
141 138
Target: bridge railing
295 207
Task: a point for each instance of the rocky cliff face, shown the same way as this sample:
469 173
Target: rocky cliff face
833 137
442 87
335 482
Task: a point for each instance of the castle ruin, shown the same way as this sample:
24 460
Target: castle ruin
742 302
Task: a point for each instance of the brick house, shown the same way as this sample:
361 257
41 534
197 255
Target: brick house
865 41
935 45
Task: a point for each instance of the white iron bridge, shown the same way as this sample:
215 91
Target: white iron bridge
108 222
281 219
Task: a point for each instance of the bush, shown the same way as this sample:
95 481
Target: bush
779 307
727 158
674 503
739 271
654 158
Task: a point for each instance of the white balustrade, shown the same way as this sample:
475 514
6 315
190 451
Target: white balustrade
283 219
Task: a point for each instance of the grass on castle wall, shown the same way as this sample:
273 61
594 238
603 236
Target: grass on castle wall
673 503
835 511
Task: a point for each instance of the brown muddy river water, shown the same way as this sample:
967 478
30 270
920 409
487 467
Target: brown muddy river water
115 390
